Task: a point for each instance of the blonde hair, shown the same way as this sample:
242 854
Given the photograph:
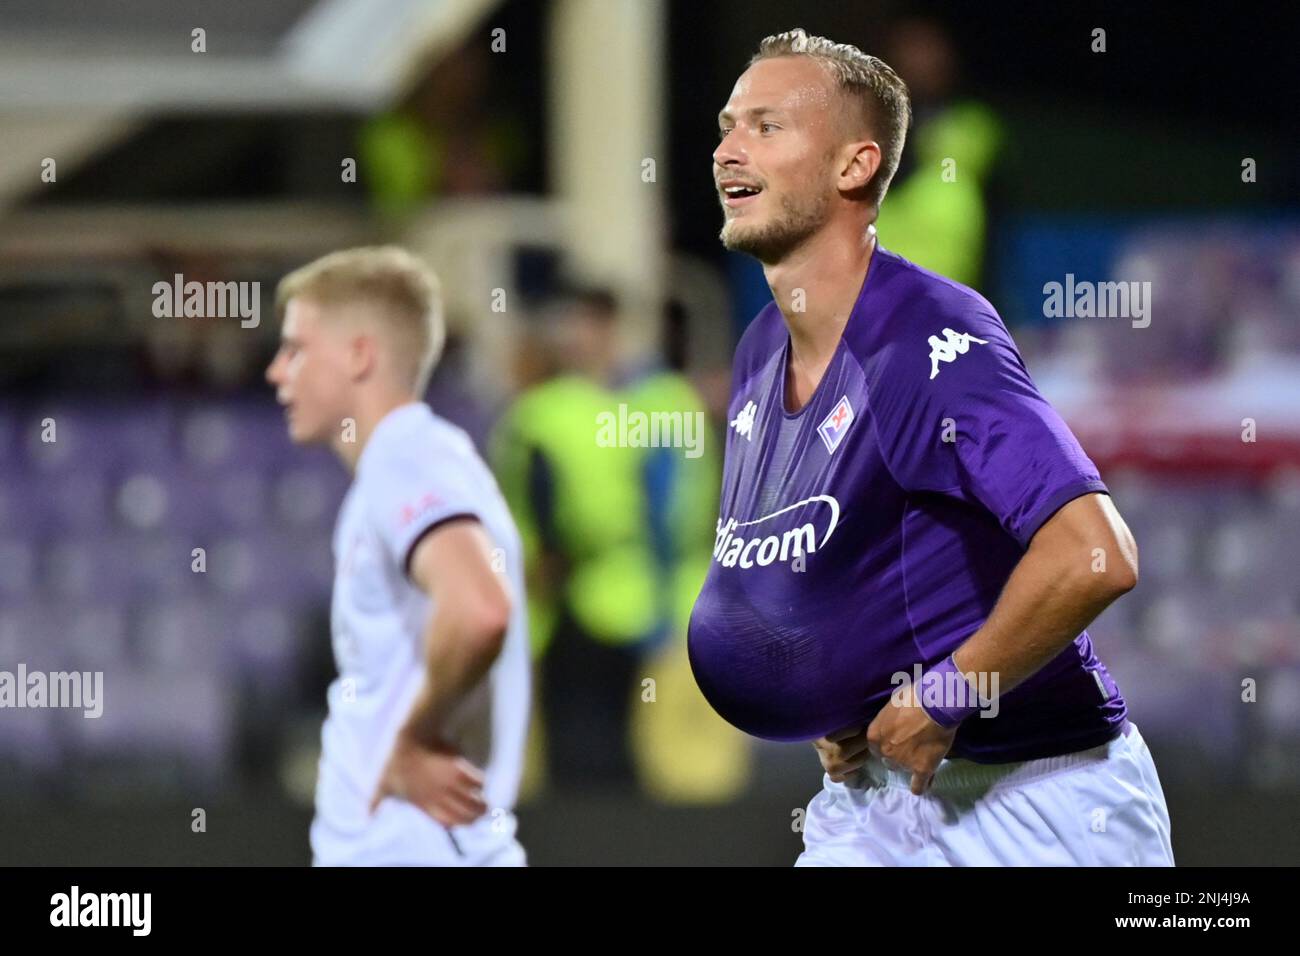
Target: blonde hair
404 292
864 79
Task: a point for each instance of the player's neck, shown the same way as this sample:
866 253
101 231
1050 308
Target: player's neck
349 443
816 287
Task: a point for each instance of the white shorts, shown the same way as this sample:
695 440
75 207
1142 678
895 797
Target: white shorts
401 834
1098 807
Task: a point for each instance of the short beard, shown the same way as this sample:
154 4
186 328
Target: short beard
775 241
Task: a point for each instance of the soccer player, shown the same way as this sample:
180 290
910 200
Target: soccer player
422 748
900 502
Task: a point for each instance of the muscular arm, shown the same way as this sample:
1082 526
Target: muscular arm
453 565
1055 591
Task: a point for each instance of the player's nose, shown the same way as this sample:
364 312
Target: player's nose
729 152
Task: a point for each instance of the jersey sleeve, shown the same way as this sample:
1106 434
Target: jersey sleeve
958 414
414 490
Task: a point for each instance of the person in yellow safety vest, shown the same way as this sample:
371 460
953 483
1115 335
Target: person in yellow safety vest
682 481
584 519
937 213
682 471
684 752
441 140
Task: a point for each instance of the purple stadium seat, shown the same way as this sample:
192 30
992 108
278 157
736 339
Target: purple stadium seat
272 568
220 435
241 497
96 637
26 507
112 436
148 714
33 633
18 568
264 643
83 569
179 637
309 495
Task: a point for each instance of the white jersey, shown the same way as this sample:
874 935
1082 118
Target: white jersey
416 471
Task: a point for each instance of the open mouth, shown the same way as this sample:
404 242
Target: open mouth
736 194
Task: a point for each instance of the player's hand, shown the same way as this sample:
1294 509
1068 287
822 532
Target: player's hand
844 752
904 736
434 777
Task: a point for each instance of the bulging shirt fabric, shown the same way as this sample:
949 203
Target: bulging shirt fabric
870 533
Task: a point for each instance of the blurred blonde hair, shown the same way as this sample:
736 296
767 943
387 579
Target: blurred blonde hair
403 294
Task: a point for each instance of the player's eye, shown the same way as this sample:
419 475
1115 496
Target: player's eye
767 127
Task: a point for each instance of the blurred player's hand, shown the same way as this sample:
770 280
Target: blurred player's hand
434 777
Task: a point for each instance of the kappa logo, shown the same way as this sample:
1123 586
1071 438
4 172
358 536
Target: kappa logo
836 424
958 343
743 423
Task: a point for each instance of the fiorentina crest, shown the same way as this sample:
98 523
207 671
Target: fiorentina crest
836 424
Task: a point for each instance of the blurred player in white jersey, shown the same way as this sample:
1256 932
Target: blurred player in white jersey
421 752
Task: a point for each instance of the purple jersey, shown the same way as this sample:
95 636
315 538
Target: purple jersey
874 529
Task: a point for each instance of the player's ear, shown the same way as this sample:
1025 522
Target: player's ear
363 354
861 160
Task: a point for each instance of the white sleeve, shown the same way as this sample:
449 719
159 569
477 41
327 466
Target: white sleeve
415 489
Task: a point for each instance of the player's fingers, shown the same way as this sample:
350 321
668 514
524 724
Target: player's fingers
465 791
845 776
469 803
853 747
460 808
443 815
438 803
476 804
844 734
840 765
921 782
875 741
841 749
467 774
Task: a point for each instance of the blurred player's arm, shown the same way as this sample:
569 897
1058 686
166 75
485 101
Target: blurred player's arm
452 564
1079 561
